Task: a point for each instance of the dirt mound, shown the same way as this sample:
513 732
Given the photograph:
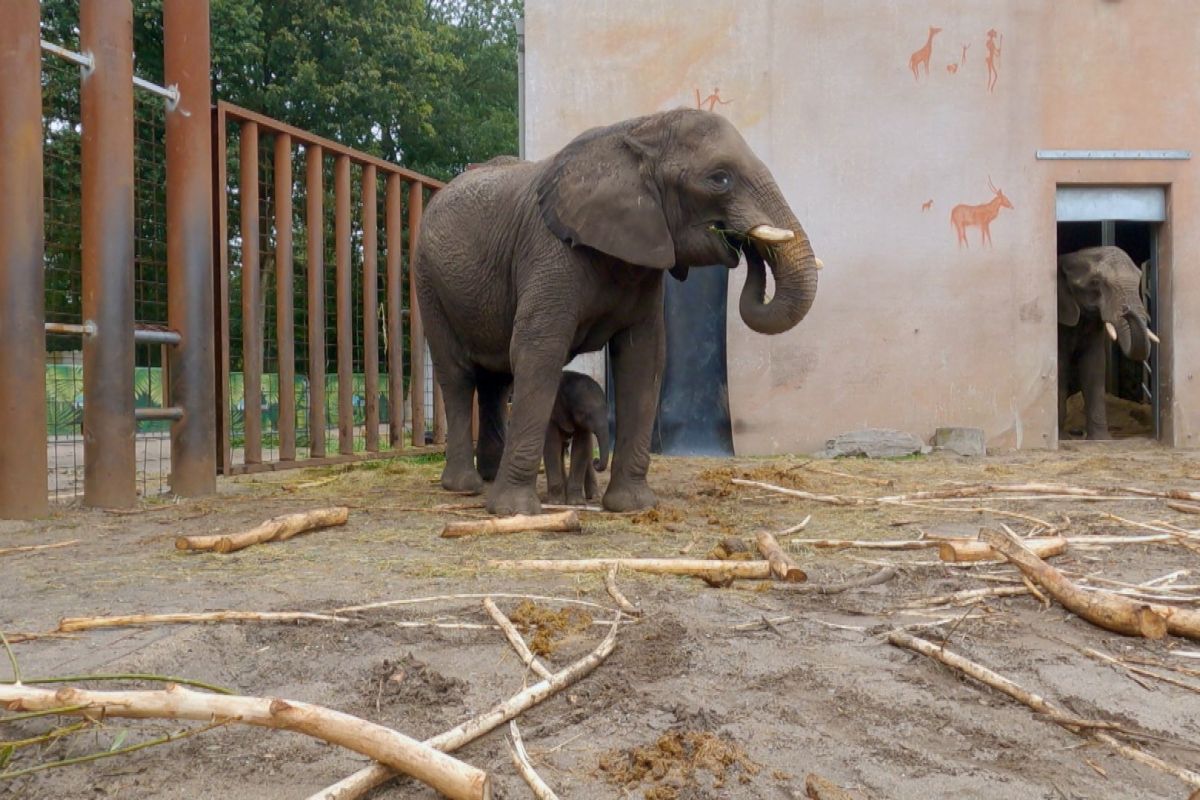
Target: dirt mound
409 681
673 763
549 628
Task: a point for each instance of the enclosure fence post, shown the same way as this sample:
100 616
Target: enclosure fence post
315 223
416 383
344 301
191 364
284 309
22 281
252 335
394 309
370 284
106 104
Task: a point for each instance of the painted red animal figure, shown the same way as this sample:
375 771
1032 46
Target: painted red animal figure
963 216
921 56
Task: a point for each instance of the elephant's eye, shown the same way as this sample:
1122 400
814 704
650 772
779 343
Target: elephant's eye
721 180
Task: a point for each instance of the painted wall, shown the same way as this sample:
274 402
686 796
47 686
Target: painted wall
876 132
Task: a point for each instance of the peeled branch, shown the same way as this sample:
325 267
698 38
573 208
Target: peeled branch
564 521
424 762
783 567
276 529
1109 611
960 550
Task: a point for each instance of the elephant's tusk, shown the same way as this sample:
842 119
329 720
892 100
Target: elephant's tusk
1150 334
819 263
765 233
1112 331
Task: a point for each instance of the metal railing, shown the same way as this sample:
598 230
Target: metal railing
265 228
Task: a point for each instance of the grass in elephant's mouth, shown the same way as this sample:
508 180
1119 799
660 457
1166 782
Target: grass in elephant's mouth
732 239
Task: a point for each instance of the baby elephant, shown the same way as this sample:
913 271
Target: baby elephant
580 412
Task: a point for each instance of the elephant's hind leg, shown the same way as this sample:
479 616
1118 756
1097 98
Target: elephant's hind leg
457 379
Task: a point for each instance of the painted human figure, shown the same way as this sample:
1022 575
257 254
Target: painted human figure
580 412
712 100
993 56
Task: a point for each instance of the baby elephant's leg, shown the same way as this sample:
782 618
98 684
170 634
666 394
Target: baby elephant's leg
581 461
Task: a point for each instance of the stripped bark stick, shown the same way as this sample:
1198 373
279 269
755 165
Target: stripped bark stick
874 579
783 566
1033 701
366 779
68 624
610 583
520 758
866 544
1109 611
564 521
426 763
276 529
962 550
437 598
514 638
29 548
709 568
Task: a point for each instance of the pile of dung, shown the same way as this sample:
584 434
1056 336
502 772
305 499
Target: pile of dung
659 515
672 764
549 628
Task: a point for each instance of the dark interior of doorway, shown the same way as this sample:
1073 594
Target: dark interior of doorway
1133 388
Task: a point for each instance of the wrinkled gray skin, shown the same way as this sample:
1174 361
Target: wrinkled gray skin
523 265
1096 285
580 412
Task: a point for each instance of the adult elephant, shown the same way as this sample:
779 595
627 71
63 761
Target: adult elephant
1099 299
523 265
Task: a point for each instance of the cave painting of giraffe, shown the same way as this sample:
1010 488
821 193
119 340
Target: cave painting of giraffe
920 58
964 216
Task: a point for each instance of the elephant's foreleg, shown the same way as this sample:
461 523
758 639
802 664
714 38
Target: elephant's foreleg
591 488
581 459
1091 375
493 421
552 456
638 356
538 352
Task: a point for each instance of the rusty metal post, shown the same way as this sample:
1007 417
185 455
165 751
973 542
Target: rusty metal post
252 333
345 314
416 204
22 284
220 234
395 316
315 222
370 284
284 311
106 105
189 248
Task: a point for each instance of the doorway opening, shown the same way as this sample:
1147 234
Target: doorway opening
1114 216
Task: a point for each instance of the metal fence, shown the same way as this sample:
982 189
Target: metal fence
113 241
313 358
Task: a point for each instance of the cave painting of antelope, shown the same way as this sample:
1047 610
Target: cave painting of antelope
964 216
920 58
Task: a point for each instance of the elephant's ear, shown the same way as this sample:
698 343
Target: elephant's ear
598 192
1068 309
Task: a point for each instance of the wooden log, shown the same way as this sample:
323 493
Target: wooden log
514 638
29 548
276 529
563 521
1033 701
1109 611
961 550
426 763
520 759
68 624
699 567
867 544
783 566
366 779
1184 508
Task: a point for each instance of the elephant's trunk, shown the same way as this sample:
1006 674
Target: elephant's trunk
600 429
1133 336
795 270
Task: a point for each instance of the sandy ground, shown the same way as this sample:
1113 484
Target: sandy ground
823 692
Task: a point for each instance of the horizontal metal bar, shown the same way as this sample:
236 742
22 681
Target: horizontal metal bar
1114 155
168 93
85 60
279 466
156 336
86 329
268 125
157 414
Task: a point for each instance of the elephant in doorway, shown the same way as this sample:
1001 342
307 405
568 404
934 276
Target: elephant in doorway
580 412
1099 299
522 265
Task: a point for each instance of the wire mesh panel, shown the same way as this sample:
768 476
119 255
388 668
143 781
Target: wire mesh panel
353 315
